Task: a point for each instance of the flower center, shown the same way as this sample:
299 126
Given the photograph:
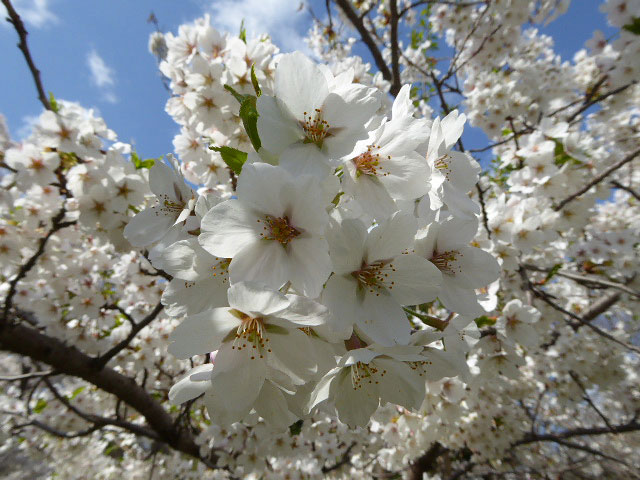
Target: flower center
222 268
372 277
443 165
279 229
445 261
368 163
315 128
170 206
362 372
250 332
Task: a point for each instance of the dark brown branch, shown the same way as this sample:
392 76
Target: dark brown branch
102 360
598 179
69 360
344 460
427 462
58 433
617 184
395 57
16 21
485 219
366 37
632 426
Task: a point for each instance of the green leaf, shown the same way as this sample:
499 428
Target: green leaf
248 114
552 272
233 157
52 101
254 81
146 163
243 32
634 26
40 406
238 96
76 392
296 428
484 321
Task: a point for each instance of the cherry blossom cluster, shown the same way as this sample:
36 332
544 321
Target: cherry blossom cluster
298 284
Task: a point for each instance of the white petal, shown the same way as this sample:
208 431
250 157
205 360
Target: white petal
187 388
391 237
416 279
277 127
383 320
188 298
252 297
292 355
148 226
322 389
240 380
259 187
263 262
272 406
300 84
400 385
228 228
310 265
304 312
354 407
459 299
202 333
179 258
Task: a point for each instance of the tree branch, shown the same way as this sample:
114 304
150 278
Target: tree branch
598 179
366 37
395 57
16 21
102 360
27 341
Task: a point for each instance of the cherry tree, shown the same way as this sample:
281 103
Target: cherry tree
321 280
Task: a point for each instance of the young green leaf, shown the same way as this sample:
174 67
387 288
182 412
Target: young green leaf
234 158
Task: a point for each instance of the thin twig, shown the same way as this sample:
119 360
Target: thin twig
598 179
16 21
102 360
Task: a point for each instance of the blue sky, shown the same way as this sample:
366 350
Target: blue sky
95 52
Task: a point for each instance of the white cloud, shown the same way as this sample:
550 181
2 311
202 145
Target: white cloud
35 13
279 18
102 76
28 122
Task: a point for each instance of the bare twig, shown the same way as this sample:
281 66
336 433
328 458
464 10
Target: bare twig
587 280
617 184
102 360
16 21
587 398
27 376
366 37
599 98
598 179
